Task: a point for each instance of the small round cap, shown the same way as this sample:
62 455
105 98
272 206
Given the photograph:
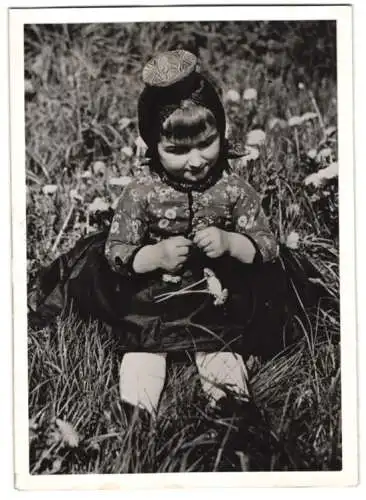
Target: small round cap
168 68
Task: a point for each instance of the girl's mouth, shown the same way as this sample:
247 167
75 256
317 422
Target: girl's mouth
197 173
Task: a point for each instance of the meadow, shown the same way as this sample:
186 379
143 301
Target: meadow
280 94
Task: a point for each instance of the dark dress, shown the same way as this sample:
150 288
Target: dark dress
95 279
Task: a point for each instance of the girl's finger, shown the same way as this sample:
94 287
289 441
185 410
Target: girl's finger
212 254
199 236
204 242
181 241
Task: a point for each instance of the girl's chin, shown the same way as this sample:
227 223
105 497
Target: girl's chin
199 176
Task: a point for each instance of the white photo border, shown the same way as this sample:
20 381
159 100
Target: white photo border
343 16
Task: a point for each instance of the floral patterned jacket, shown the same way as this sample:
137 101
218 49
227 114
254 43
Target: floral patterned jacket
150 210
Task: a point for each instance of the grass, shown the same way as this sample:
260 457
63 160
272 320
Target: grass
80 109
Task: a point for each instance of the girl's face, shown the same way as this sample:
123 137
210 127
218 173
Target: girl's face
191 162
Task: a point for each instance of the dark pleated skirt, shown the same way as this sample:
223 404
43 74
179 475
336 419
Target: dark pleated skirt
255 319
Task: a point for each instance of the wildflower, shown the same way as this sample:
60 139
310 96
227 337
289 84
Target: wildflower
242 221
170 213
292 240
99 168
312 153
232 96
329 172
301 86
324 154
68 433
124 122
49 189
214 287
250 95
163 223
276 122
124 180
169 278
127 151
98 205
313 179
256 137
308 116
295 121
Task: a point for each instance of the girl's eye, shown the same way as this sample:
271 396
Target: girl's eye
177 150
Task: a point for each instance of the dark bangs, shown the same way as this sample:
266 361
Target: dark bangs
189 124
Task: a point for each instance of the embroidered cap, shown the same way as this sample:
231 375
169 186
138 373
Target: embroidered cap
171 77
168 68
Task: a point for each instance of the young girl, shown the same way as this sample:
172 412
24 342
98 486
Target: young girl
187 221
189 264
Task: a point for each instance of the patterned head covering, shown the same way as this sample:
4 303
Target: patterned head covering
170 78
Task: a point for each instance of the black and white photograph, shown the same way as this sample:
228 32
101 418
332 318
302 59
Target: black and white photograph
179 201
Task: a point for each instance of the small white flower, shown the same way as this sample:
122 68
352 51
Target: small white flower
312 153
99 167
214 287
68 433
255 137
222 298
313 179
98 205
171 213
127 151
295 121
243 221
293 240
169 278
276 122
49 189
301 86
324 154
124 122
308 116
250 94
124 180
232 95
329 172
163 223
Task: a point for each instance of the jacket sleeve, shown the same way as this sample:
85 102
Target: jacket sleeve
128 230
250 220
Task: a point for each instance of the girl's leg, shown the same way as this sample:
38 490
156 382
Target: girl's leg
142 378
225 369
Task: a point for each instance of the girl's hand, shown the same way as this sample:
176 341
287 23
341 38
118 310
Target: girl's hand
173 253
213 241
169 255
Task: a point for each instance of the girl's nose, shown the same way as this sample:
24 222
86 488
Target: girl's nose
195 159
